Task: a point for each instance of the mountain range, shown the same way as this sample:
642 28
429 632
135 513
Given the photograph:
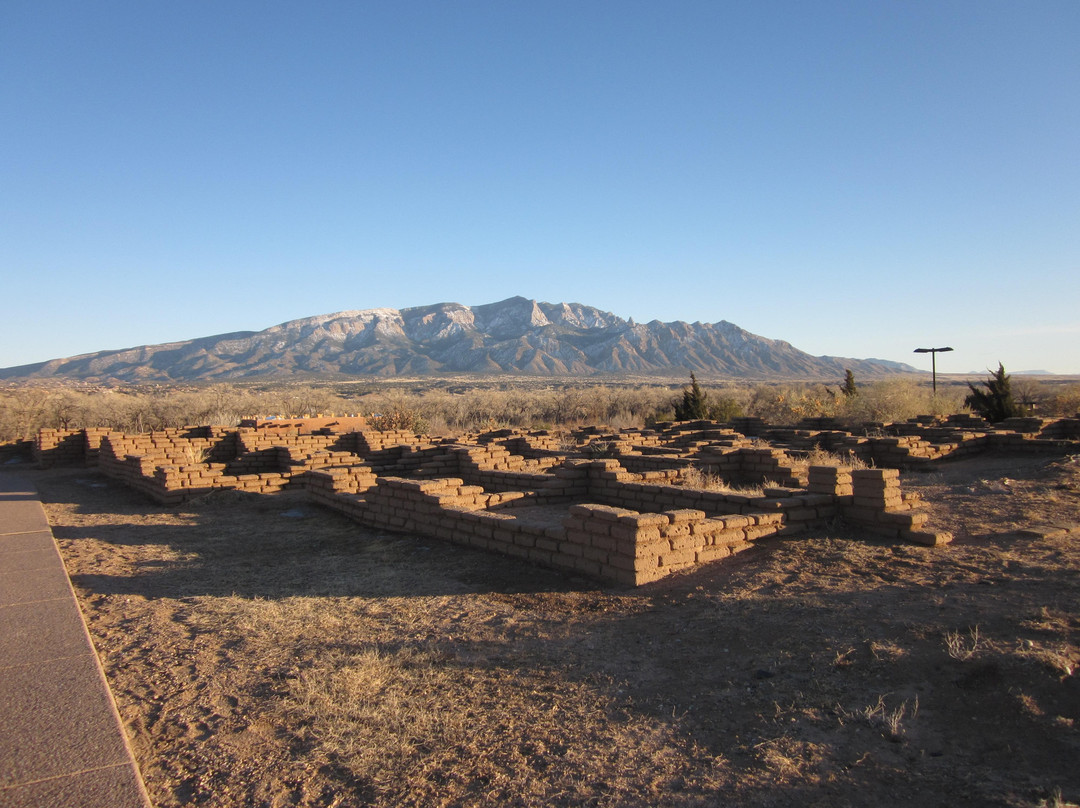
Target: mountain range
515 336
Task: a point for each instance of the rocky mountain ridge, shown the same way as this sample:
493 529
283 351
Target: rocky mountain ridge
515 336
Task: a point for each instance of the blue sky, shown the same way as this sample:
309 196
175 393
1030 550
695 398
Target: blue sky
857 178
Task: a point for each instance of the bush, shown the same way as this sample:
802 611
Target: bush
895 400
995 403
725 408
1064 402
789 404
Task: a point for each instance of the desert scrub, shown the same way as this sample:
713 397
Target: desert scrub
789 404
895 400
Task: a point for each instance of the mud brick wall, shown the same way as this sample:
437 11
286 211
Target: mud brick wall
271 459
419 459
158 464
94 436
138 473
342 480
68 447
753 466
296 461
172 485
750 426
797 510
912 450
801 439
251 440
449 509
429 507
833 481
520 441
695 434
495 468
175 483
368 441
60 447
561 484
193 480
878 505
633 548
532 445
176 446
645 463
1063 429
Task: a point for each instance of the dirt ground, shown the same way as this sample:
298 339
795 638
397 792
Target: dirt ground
265 652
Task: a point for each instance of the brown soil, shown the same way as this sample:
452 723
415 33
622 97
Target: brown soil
264 652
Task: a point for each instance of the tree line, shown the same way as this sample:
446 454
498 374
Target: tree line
447 409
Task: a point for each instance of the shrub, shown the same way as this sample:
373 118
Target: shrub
725 408
1063 402
995 403
894 400
789 404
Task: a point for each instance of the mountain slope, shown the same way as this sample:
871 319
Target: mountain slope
514 336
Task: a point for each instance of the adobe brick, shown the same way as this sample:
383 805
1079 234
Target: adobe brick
687 542
674 557
683 515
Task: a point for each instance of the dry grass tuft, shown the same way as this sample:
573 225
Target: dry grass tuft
961 647
822 457
890 721
196 455
696 478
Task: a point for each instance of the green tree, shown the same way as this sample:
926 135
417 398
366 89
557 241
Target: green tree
725 409
995 403
849 389
693 406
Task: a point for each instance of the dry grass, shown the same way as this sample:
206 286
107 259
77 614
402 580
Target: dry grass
697 478
196 455
890 720
960 647
823 457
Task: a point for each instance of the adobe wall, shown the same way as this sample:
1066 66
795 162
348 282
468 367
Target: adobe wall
630 529
622 519
67 447
619 545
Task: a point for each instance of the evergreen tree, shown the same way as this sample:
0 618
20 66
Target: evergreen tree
693 406
849 389
995 403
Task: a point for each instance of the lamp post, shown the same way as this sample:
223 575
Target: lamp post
933 360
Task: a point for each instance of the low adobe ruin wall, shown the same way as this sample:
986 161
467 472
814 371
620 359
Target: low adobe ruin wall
622 519
601 519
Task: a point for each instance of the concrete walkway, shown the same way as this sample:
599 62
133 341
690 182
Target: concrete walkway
61 741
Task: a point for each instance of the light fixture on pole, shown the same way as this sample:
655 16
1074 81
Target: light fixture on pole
933 360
